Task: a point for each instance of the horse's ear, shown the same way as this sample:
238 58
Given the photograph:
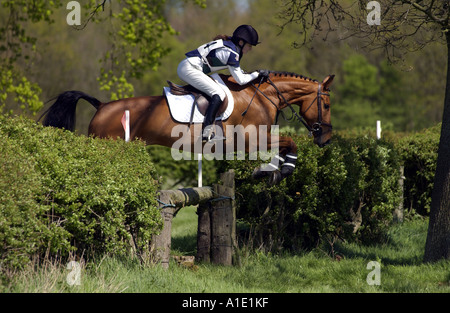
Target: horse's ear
327 82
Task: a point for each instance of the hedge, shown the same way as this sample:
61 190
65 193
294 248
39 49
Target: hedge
345 191
61 193
419 155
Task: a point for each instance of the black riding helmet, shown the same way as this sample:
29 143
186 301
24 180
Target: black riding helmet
246 33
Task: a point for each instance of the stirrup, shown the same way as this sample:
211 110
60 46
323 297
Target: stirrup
214 137
208 135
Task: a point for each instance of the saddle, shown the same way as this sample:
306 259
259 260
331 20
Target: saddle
201 99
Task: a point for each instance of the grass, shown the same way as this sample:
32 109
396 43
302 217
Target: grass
400 258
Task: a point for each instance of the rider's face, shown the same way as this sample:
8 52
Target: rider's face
247 48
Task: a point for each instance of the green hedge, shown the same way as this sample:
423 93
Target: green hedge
419 155
60 193
321 201
347 190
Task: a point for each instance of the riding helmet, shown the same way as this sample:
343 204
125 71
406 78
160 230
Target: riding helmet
246 33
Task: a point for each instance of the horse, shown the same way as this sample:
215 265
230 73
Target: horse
256 104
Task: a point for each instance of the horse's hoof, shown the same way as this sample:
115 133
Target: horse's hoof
275 178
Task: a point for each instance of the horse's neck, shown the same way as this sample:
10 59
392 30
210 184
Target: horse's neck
292 89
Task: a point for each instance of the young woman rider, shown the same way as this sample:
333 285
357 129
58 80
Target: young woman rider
221 53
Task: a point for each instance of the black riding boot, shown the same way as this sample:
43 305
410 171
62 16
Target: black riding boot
210 116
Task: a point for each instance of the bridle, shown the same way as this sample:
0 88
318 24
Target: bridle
316 128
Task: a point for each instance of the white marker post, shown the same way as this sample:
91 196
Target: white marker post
378 129
200 174
126 125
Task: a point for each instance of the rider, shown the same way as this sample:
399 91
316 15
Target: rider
223 52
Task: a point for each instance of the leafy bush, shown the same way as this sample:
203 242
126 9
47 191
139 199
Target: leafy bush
23 230
347 190
61 192
419 155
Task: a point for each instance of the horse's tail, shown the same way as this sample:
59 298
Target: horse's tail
62 113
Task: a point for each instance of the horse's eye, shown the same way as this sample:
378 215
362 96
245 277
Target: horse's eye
326 106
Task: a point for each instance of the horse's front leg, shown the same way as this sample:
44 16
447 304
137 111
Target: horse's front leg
282 164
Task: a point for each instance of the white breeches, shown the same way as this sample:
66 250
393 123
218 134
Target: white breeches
196 78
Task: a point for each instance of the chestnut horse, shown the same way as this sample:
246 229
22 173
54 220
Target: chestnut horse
257 103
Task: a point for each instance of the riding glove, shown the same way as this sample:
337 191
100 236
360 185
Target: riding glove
263 73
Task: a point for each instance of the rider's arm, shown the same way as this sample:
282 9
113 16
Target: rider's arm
241 77
231 58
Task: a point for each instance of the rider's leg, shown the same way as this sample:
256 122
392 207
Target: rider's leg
210 116
196 78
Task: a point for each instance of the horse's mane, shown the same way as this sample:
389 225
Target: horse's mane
286 74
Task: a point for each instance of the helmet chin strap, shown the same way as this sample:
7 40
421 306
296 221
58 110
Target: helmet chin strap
241 50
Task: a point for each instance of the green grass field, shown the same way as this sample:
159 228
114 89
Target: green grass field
400 259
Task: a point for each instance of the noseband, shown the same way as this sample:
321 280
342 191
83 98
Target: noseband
316 127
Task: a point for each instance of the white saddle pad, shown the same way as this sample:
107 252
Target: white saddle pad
181 106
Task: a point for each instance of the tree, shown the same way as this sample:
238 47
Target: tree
135 37
396 27
16 44
358 91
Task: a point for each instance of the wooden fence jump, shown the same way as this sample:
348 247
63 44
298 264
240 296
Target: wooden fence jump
216 236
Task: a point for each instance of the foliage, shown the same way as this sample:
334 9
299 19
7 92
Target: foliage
400 258
400 21
61 193
17 44
135 45
58 57
419 153
23 230
347 190
370 92
358 93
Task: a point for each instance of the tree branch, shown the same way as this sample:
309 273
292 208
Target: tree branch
91 16
427 11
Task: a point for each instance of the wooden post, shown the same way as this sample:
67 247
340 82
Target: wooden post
223 221
203 233
161 244
170 202
216 237
398 212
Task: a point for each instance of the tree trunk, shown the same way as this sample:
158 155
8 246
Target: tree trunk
438 239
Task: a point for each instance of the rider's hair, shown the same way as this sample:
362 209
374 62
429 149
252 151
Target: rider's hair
223 37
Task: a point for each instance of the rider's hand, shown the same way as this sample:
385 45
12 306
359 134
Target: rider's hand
263 73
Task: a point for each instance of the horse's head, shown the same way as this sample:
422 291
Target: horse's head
315 109
313 98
